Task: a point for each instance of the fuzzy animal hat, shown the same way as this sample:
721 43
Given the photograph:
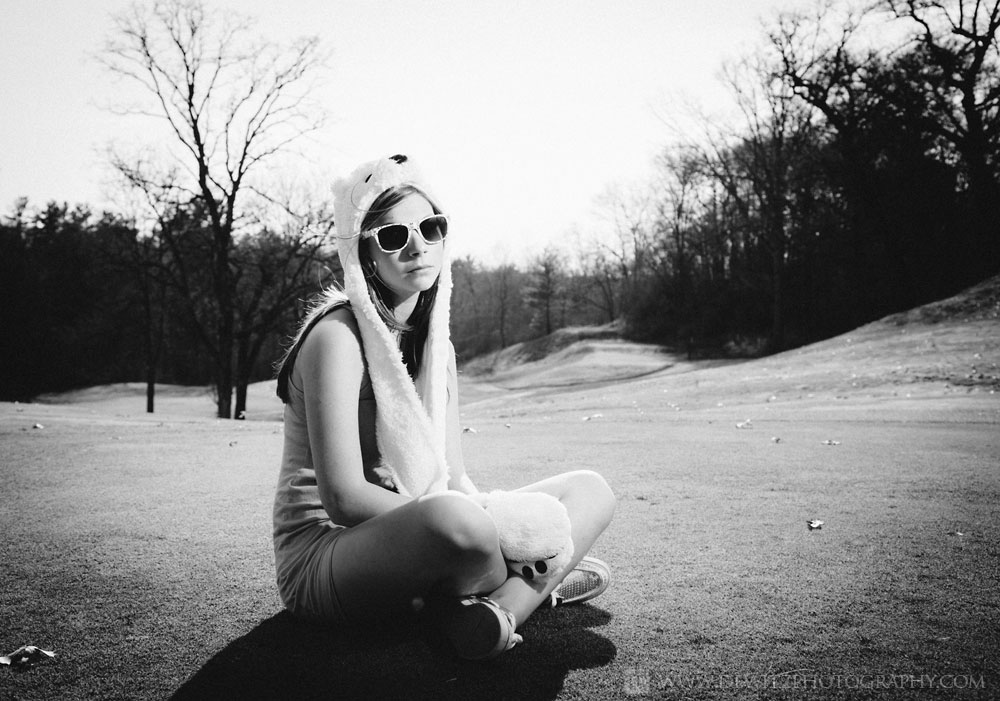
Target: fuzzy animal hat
410 416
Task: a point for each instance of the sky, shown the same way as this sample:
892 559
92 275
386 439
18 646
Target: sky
521 112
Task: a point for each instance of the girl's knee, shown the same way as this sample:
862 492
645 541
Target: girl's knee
458 524
595 490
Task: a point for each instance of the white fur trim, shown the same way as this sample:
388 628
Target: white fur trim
410 427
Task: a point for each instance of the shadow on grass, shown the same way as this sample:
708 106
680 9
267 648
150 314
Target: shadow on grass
286 658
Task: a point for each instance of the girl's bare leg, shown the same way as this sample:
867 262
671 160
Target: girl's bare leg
442 543
590 504
447 544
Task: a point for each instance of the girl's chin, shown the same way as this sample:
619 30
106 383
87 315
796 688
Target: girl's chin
413 285
420 279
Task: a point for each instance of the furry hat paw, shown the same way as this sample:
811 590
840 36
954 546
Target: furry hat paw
534 529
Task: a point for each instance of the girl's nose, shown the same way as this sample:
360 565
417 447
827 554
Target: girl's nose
416 245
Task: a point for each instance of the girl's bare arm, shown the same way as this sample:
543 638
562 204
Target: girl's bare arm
330 368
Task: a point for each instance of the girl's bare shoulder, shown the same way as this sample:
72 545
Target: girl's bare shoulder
335 335
342 315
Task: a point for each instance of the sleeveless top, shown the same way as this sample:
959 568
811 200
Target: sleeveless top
297 503
301 526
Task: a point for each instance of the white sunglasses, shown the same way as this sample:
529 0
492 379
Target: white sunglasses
395 237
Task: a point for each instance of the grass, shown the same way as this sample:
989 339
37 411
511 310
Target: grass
138 547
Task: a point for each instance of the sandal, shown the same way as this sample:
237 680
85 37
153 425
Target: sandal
478 628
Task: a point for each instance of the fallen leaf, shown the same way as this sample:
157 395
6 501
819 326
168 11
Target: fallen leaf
26 655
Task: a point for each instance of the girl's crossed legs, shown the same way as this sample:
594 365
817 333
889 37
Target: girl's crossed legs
447 544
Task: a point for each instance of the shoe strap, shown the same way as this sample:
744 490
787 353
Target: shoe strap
513 638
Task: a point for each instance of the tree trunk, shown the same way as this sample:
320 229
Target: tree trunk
503 321
777 340
224 371
241 400
150 350
245 357
984 207
154 331
222 233
224 389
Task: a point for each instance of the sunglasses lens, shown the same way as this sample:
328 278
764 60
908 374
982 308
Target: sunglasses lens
393 237
434 228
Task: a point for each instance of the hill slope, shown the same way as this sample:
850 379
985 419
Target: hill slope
950 345
945 346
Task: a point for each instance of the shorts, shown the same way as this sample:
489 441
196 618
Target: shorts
304 562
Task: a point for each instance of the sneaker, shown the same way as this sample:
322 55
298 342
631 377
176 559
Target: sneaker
585 581
478 628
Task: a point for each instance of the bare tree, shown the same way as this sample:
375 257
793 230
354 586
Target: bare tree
544 293
618 264
755 167
286 260
143 258
830 62
958 43
941 78
600 282
468 319
826 60
681 173
503 283
228 104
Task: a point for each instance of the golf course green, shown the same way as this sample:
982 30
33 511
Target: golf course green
137 547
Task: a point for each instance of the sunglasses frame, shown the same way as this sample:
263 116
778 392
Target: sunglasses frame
410 228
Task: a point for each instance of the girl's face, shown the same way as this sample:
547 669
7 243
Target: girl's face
415 267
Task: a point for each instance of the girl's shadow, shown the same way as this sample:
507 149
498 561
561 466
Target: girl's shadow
286 658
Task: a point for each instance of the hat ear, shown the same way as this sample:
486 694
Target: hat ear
354 195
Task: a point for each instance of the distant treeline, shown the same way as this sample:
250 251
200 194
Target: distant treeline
860 180
89 300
